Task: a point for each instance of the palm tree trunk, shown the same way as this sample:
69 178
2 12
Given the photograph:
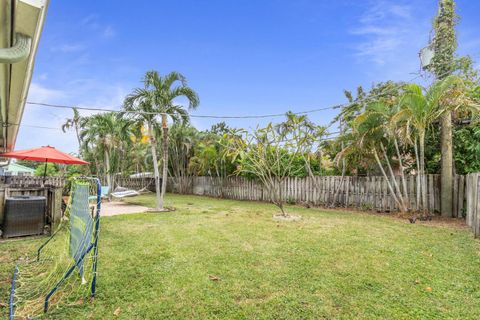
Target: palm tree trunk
165 158
107 170
344 168
419 184
77 132
392 175
389 184
153 148
402 172
422 172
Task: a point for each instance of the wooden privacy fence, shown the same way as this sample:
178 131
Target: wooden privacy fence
473 202
30 181
368 193
145 183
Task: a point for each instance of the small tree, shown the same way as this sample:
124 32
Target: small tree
376 133
269 154
311 135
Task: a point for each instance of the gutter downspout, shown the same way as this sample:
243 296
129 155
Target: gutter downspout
18 52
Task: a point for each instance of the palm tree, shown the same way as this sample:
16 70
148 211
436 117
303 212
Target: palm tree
157 98
374 131
76 123
420 108
106 133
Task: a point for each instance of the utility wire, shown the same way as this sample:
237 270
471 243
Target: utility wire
160 113
39 127
54 128
392 89
6 125
215 116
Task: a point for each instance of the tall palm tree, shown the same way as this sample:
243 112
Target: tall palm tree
158 98
76 122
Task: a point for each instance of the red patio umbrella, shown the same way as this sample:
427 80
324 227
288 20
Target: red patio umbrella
44 154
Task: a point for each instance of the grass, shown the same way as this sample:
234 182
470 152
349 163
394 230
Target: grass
223 259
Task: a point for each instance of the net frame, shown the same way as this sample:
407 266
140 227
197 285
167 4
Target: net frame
52 269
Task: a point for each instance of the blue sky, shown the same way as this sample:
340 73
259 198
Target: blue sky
243 57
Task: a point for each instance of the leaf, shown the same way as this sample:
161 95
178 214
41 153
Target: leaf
117 311
214 278
428 289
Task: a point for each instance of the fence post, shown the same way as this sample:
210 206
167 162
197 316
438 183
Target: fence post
476 204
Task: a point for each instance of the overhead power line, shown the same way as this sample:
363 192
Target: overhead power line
192 115
39 127
212 116
391 90
33 103
6 125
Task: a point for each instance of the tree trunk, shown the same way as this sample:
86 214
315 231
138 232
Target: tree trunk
389 184
310 173
77 132
280 206
419 184
165 158
274 188
402 172
107 170
153 147
422 172
344 168
392 175
447 166
340 186
445 44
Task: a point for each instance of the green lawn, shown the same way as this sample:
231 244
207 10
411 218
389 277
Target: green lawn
331 264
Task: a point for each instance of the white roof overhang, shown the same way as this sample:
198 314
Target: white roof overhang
25 17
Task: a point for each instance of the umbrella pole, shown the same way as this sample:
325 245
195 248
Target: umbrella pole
45 172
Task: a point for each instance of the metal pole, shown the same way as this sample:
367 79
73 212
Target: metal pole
12 295
95 244
45 172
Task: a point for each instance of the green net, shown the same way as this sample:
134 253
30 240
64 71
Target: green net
63 271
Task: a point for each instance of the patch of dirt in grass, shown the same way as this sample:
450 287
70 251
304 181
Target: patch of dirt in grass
437 221
288 217
444 222
118 207
165 209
